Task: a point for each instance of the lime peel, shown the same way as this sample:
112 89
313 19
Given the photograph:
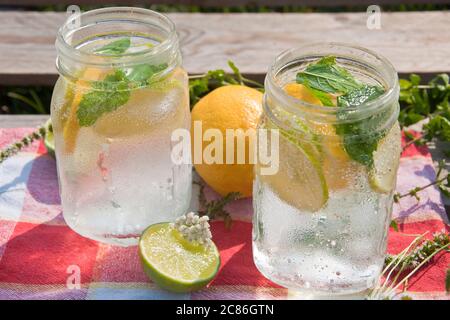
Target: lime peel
175 263
383 174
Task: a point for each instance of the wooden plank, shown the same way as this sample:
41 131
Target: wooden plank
225 3
410 40
22 121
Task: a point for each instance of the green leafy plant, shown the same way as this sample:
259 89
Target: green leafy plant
428 103
200 85
216 208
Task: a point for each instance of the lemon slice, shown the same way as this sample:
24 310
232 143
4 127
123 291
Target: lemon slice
301 92
300 180
383 175
71 125
174 263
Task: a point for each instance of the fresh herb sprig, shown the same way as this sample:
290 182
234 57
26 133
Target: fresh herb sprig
216 208
410 260
114 90
16 147
442 181
326 77
426 101
116 47
200 85
429 104
422 251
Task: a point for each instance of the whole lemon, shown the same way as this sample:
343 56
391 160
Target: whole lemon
227 107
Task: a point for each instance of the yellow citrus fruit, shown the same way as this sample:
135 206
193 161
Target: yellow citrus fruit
301 92
335 161
227 107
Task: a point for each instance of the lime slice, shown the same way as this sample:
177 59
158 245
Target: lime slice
49 140
174 263
300 180
383 175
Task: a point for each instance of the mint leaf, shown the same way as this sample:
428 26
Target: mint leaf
358 146
359 96
108 95
116 47
114 91
323 97
325 75
361 137
142 73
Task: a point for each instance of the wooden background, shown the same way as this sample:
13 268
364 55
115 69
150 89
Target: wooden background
27 51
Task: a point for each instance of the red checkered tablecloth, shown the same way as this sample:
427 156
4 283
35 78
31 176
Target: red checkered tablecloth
38 251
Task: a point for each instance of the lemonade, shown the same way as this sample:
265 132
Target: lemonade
120 96
320 222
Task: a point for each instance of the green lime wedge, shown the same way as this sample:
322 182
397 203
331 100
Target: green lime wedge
300 180
383 174
174 263
49 140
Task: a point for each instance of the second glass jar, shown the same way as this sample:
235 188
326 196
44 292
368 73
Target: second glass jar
320 223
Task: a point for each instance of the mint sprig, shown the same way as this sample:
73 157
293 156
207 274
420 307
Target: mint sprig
143 73
114 90
360 137
325 75
115 47
107 96
359 96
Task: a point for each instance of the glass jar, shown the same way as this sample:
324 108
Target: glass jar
120 95
320 222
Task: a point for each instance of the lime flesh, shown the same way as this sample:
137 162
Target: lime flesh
383 175
174 263
300 180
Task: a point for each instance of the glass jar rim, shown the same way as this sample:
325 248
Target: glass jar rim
296 106
117 14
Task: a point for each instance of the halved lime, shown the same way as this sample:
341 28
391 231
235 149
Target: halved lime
383 175
49 140
174 263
